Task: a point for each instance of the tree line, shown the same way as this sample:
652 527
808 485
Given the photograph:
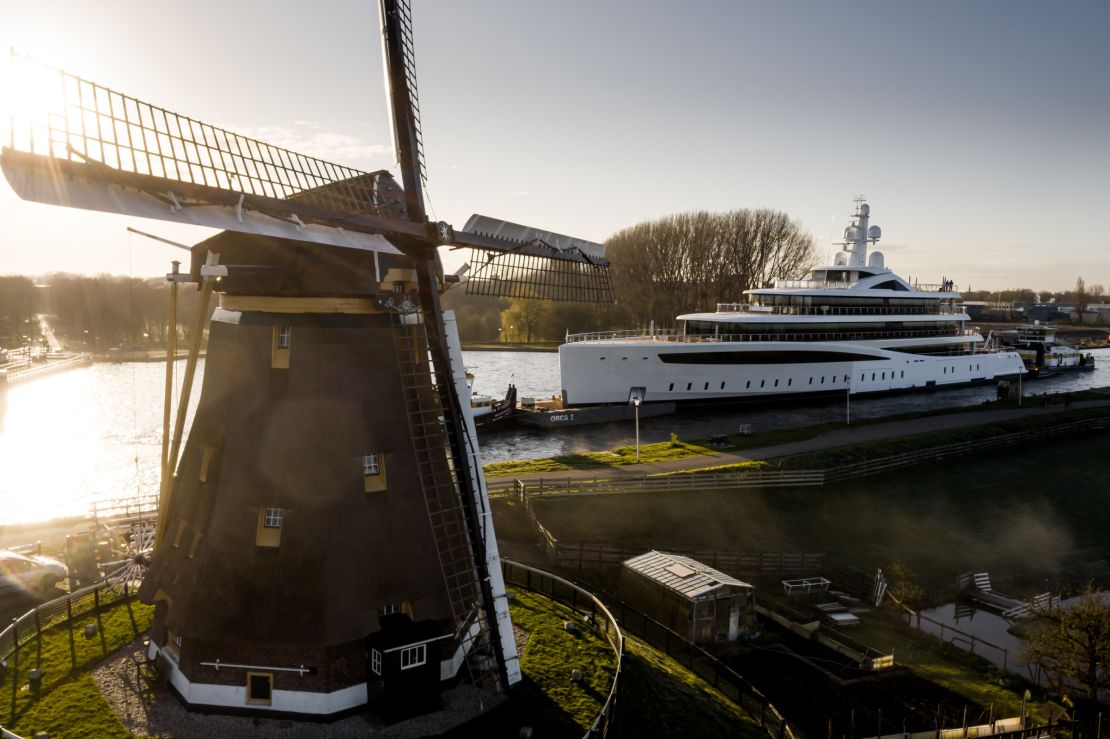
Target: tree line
659 269
93 313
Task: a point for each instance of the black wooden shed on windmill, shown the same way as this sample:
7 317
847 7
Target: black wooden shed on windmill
329 502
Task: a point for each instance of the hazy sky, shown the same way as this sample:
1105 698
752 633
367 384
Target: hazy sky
979 131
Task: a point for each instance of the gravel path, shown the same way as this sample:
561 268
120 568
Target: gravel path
164 716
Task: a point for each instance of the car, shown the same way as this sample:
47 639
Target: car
29 574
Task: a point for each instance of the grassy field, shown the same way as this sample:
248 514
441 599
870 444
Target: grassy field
844 455
946 665
599 460
69 704
1032 514
659 697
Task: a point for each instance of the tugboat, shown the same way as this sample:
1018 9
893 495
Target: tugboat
486 410
1039 350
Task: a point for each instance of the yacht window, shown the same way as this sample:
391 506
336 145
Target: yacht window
822 379
671 387
945 370
706 386
969 368
884 375
903 373
872 377
811 381
689 385
776 382
834 379
790 382
747 384
762 383
846 378
976 368
722 386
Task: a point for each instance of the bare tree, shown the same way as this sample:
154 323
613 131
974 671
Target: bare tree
691 261
1073 642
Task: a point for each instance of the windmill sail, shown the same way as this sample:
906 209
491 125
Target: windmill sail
95 148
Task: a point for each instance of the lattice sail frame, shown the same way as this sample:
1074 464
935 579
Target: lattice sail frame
110 137
514 274
87 122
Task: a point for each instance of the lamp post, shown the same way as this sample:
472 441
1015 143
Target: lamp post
635 397
848 403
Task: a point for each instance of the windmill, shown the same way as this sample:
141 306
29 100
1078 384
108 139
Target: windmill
324 536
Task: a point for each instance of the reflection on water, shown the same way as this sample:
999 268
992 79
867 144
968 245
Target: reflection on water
993 639
95 433
89 434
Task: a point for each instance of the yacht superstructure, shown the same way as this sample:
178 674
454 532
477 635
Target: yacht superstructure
853 327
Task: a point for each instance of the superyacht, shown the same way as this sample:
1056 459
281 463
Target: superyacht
852 328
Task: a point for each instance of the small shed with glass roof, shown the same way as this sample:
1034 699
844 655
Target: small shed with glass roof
690 598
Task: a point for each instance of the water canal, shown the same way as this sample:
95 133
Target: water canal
94 434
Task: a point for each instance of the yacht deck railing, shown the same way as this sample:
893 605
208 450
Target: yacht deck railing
839 310
675 335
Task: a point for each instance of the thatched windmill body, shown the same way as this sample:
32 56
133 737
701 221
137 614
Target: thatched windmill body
324 534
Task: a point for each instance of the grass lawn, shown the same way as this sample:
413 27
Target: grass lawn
548 696
69 704
599 460
843 455
1034 513
660 697
946 665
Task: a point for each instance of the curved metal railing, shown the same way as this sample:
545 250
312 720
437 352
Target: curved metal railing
579 600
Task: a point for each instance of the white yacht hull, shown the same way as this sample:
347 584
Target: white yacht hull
599 372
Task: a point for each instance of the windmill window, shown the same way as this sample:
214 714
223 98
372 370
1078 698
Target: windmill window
374 473
270 522
260 687
279 351
414 656
375 661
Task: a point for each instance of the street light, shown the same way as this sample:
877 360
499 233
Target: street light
635 397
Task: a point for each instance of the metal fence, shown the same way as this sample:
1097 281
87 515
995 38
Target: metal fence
26 632
722 677
601 619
